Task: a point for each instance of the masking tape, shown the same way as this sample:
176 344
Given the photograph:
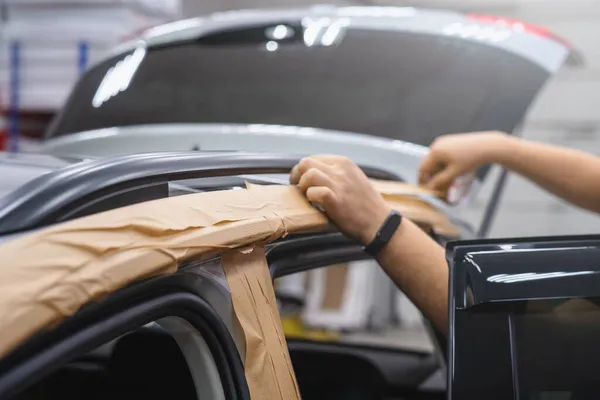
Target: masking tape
267 363
48 275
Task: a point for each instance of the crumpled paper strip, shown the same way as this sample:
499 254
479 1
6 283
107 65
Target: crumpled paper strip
48 275
268 367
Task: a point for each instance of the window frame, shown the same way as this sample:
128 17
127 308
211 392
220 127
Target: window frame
124 311
300 253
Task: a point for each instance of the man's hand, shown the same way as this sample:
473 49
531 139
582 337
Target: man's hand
344 192
454 155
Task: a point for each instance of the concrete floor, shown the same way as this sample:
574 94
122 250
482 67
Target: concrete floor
400 338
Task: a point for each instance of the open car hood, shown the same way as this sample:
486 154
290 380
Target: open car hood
276 80
395 72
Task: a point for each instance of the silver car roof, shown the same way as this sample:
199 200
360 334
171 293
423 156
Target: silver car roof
16 169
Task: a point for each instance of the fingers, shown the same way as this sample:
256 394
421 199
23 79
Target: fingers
331 159
429 166
321 195
304 165
314 177
443 179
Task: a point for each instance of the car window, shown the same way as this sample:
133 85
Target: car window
354 303
556 350
405 86
153 340
154 361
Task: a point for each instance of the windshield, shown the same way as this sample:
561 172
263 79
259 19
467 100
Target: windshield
392 84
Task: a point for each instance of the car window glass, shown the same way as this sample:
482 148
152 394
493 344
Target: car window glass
354 302
556 349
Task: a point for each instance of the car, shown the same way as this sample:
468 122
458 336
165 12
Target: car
55 192
402 73
375 84
118 120
173 296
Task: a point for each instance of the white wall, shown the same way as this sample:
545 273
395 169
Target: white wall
567 113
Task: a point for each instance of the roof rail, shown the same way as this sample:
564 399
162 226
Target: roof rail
98 185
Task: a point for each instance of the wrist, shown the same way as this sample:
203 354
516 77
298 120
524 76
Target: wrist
501 148
374 224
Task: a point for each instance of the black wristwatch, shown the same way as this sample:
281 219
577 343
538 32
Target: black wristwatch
384 234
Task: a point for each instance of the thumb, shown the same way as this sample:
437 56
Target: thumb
443 179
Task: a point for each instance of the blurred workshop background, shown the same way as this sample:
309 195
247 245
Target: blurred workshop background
46 46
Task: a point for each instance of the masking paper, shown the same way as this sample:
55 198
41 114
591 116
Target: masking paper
267 363
48 275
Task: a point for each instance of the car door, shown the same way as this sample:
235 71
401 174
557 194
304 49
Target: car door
154 339
354 367
525 318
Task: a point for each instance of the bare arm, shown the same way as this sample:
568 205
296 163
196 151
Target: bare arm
572 175
414 261
417 265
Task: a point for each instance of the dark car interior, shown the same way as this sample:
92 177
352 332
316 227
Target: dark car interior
147 363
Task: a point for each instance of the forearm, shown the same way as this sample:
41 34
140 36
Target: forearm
417 264
569 174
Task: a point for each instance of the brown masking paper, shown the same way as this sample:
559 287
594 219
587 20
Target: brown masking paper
392 188
267 363
48 275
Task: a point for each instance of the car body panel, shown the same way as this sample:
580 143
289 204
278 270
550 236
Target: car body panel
97 185
548 53
17 169
395 156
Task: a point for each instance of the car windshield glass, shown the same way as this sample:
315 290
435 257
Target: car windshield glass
18 169
400 85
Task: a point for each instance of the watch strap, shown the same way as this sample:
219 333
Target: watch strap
384 234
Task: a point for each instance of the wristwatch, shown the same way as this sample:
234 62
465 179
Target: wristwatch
384 234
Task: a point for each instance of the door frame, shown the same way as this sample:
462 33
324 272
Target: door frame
99 323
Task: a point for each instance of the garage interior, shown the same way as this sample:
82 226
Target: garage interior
46 46
564 114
